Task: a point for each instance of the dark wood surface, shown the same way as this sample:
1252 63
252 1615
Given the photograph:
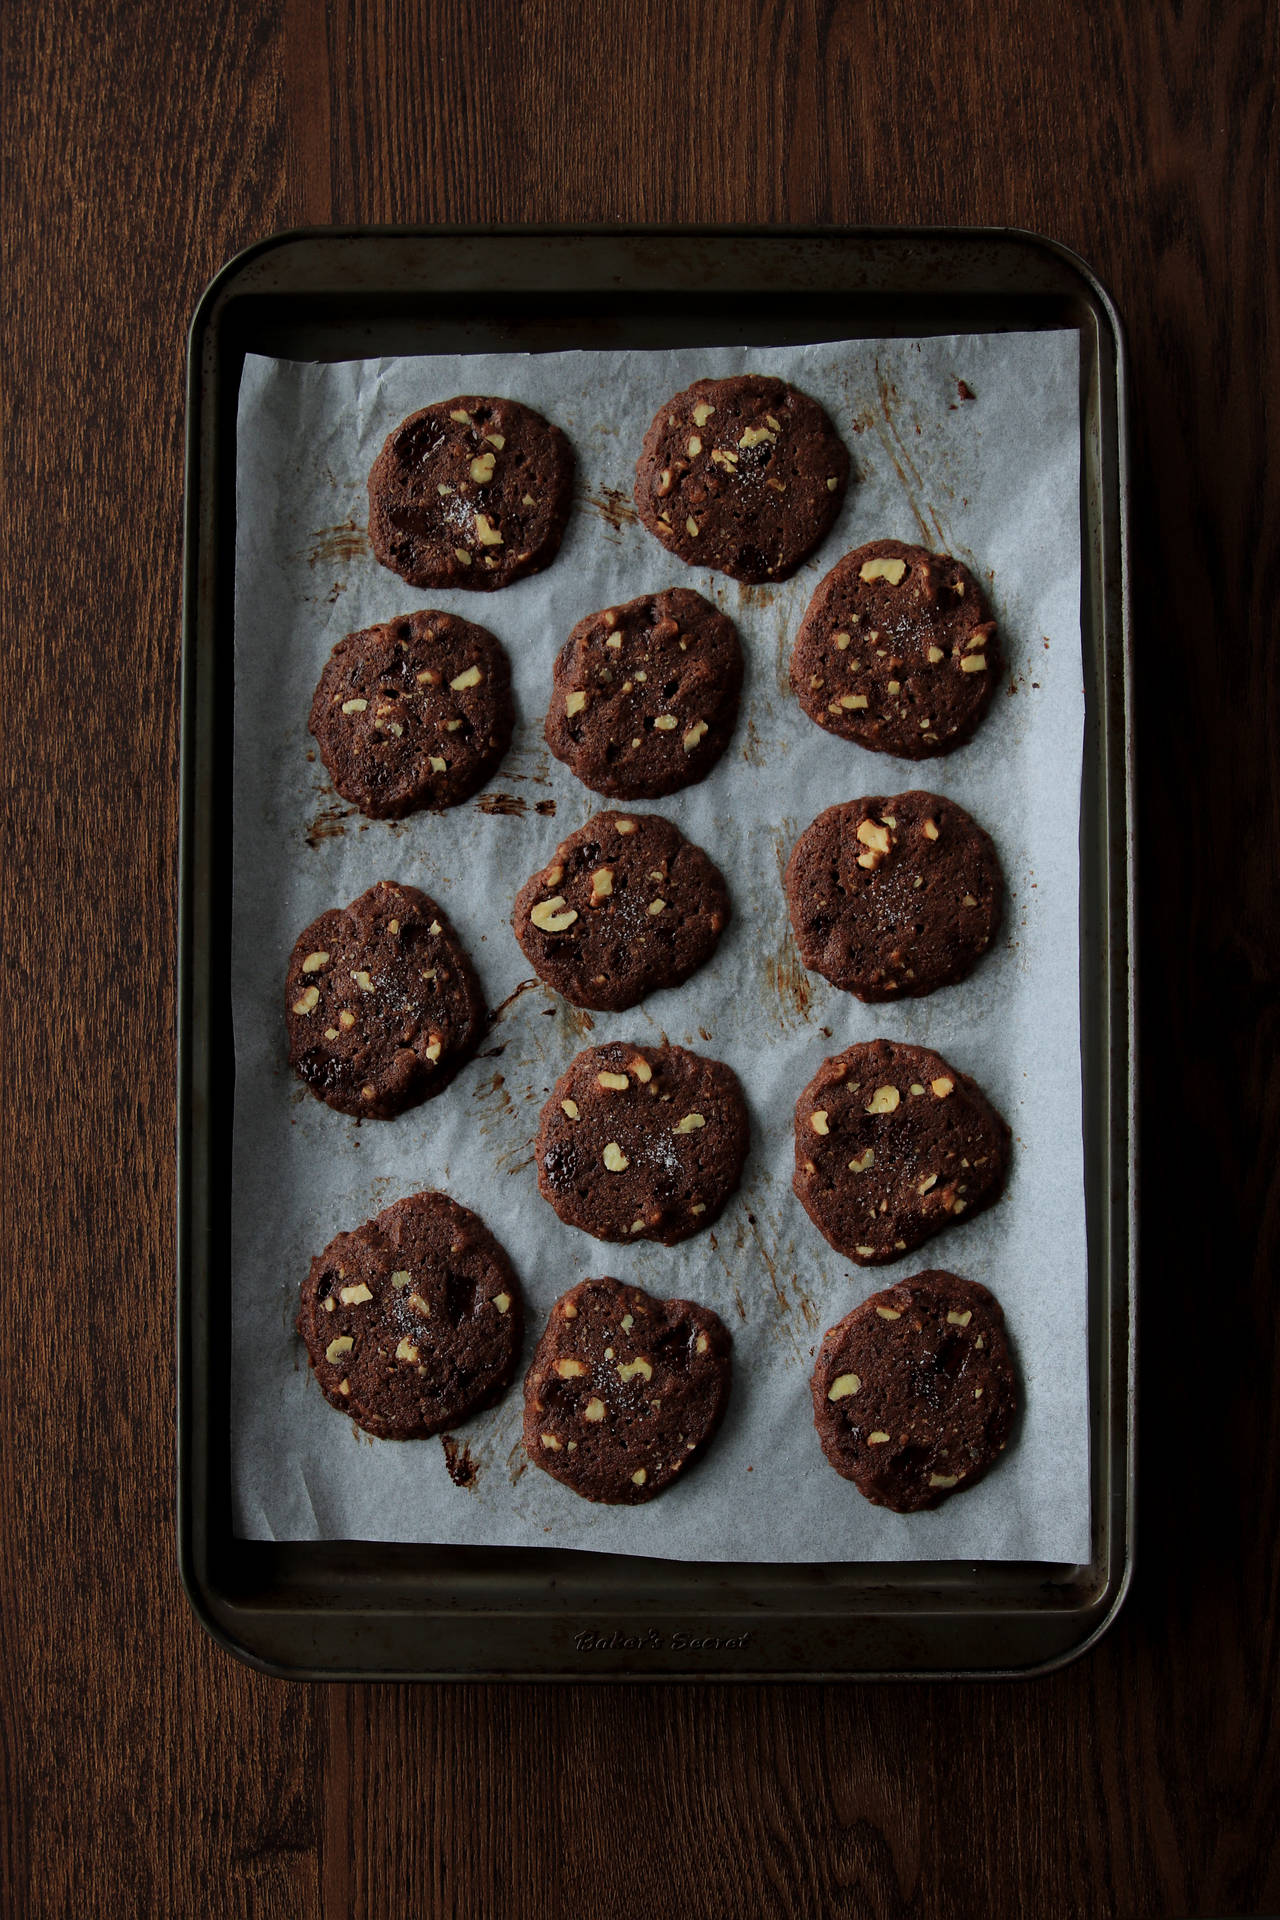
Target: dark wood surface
145 1772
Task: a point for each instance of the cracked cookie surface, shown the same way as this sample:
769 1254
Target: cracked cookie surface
381 1002
645 695
642 1143
625 907
413 1321
897 651
472 492
415 712
624 1390
914 1392
894 895
892 1145
745 475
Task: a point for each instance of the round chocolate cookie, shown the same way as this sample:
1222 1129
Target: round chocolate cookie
381 1002
627 906
624 1390
470 492
897 651
413 1321
893 1145
413 713
646 695
642 1143
745 475
914 1394
893 896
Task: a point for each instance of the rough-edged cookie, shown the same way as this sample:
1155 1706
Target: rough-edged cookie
642 1143
893 895
413 713
646 695
471 492
893 1145
627 906
914 1394
898 651
624 1390
745 475
413 1321
381 1002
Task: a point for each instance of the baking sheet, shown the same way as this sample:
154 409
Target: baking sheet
993 479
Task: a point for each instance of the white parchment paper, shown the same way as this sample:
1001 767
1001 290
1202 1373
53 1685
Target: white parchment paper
993 479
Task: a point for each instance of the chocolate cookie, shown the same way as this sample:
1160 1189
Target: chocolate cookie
897 651
414 713
413 1321
624 1390
646 695
893 896
745 475
627 906
893 1145
914 1394
382 1004
642 1143
471 492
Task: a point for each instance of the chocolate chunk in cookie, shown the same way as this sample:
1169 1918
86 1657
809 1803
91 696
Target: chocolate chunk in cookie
381 1002
624 1390
745 475
412 1322
472 492
646 695
642 1143
898 651
626 907
893 1145
413 713
893 896
914 1393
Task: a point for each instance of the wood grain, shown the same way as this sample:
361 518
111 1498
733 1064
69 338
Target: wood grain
144 1771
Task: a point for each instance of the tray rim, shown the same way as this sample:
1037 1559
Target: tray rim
230 1624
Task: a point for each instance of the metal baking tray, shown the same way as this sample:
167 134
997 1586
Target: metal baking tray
356 1610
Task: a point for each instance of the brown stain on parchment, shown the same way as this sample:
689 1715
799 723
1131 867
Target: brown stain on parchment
885 427
329 824
457 1458
517 1461
786 981
753 747
614 507
347 541
750 596
773 1261
511 805
782 658
524 987
497 1084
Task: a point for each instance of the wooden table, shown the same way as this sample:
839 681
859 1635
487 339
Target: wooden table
145 1771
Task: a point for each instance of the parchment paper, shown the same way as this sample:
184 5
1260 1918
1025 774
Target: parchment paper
993 479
